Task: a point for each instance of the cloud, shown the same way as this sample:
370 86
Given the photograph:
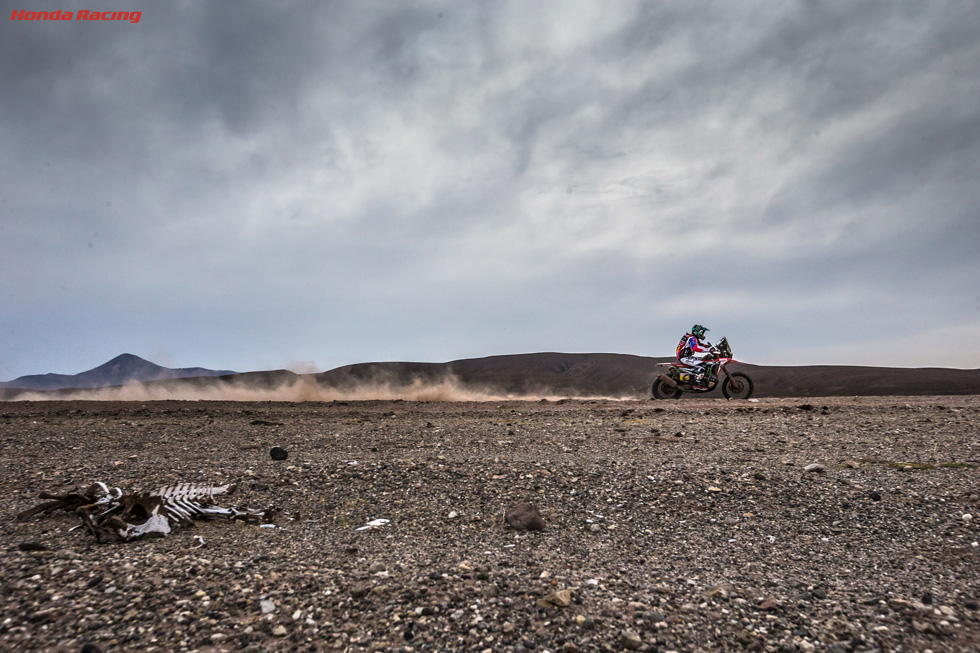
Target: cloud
430 180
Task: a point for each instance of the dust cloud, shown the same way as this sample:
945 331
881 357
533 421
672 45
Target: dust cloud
303 387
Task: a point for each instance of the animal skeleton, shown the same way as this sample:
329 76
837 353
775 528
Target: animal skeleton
130 515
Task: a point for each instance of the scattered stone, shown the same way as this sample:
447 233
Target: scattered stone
630 639
721 590
686 568
278 453
561 598
360 590
524 517
33 546
816 468
768 605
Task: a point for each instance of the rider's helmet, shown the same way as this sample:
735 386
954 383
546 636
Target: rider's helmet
698 331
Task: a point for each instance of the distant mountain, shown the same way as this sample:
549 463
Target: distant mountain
126 368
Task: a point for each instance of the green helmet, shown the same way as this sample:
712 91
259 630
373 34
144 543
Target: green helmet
698 331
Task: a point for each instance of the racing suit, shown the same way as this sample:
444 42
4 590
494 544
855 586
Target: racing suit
693 352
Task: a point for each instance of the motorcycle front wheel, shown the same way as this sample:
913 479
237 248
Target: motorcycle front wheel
663 391
737 386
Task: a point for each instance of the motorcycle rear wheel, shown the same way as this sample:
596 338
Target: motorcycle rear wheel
663 391
737 386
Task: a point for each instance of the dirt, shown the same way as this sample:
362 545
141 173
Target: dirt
824 524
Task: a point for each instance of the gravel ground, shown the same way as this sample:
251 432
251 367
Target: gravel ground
695 525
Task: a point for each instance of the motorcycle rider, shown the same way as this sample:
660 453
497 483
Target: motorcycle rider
695 351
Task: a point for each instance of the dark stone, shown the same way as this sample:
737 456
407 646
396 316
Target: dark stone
360 590
278 453
90 648
524 517
927 598
32 546
875 495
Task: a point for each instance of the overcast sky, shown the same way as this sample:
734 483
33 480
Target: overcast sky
254 185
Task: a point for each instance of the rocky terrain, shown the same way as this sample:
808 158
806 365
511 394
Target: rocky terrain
836 524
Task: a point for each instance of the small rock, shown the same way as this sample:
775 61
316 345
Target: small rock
524 517
279 631
768 605
32 546
267 606
360 590
815 467
278 453
721 590
630 639
561 598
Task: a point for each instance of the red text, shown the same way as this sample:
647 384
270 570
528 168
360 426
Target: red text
131 16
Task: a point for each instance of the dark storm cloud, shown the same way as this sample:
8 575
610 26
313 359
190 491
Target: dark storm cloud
523 176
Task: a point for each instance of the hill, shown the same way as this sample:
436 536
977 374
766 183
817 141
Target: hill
123 369
547 374
618 375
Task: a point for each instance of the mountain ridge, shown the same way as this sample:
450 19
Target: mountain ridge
123 369
540 374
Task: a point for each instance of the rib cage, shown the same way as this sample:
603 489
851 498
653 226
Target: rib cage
135 514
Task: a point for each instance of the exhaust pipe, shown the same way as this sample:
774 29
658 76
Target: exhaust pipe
669 381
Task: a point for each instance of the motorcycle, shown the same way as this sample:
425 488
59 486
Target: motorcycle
679 378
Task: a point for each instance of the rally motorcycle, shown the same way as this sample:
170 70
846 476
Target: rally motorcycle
678 377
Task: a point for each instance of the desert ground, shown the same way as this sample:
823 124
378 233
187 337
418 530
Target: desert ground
818 524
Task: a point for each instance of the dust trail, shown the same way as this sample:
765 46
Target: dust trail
302 387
